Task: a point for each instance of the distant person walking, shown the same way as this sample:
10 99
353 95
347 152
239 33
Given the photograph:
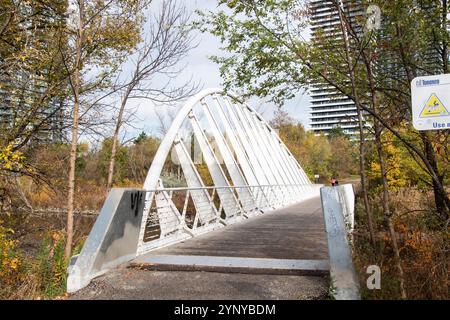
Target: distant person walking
334 182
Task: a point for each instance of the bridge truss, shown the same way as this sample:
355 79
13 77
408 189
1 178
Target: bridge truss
239 168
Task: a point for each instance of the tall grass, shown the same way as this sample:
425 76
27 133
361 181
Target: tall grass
40 277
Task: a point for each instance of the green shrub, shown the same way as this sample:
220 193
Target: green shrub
41 277
50 266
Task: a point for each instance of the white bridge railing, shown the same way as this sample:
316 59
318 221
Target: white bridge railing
176 214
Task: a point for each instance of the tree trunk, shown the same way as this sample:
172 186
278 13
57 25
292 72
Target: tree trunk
112 162
378 130
397 258
74 143
386 210
115 141
362 169
383 171
356 100
439 196
444 44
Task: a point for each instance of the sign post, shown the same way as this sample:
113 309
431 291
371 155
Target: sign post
431 102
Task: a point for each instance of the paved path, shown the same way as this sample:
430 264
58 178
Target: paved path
278 255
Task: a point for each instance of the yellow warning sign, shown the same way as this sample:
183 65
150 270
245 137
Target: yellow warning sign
434 108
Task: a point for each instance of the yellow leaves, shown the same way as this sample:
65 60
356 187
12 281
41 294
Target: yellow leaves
56 236
374 171
9 259
14 263
394 165
45 273
11 159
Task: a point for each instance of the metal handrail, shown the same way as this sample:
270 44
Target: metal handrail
170 223
229 187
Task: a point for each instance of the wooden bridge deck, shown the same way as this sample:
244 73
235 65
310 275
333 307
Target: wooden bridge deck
294 232
264 257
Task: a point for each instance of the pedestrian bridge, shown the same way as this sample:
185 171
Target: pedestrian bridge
242 202
281 254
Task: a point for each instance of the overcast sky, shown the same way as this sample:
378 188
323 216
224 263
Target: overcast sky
206 72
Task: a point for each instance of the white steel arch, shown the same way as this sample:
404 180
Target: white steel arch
258 172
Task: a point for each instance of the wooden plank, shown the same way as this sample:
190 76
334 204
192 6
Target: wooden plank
294 232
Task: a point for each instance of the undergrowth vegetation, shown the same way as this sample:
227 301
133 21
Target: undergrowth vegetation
26 277
424 246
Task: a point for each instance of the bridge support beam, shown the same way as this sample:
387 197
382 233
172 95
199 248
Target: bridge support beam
338 205
113 239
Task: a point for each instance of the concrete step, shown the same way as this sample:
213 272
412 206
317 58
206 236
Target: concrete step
231 265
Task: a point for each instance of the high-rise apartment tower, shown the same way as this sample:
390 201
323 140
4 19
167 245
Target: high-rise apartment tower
329 108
